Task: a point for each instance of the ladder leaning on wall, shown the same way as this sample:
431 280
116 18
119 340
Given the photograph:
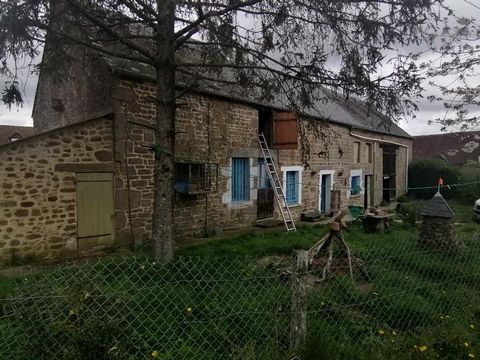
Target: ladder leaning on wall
276 184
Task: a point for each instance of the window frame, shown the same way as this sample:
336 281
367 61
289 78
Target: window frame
357 158
369 152
245 178
298 188
359 174
193 178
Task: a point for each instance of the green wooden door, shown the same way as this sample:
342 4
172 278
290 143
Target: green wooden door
95 210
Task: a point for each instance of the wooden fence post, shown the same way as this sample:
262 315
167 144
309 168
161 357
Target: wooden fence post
298 333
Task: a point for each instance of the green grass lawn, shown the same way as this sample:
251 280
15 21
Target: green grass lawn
230 299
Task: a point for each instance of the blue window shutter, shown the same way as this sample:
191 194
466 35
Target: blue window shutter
355 185
291 187
240 179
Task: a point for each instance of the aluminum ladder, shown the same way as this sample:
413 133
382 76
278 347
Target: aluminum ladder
276 184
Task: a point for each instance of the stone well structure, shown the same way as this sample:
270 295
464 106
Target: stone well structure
436 231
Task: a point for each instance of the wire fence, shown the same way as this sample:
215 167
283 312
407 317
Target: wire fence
398 299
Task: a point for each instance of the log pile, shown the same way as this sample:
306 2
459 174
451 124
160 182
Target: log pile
333 248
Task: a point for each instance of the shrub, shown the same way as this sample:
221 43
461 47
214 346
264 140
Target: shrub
409 212
469 174
425 173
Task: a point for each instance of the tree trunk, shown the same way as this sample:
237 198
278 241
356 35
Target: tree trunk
164 175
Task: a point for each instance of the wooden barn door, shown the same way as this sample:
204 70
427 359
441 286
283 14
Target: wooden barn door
265 196
95 210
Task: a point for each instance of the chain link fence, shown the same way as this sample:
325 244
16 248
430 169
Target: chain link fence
397 300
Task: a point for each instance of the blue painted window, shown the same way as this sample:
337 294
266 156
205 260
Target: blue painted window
355 187
240 179
292 187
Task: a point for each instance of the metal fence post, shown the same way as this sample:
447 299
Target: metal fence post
298 332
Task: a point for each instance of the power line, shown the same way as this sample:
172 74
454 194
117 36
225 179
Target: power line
475 6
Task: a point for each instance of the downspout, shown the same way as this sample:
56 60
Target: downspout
388 142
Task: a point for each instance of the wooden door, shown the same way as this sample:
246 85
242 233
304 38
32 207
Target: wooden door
265 195
368 194
326 193
95 210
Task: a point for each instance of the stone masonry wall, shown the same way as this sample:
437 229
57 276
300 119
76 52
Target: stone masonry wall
215 130
37 200
78 92
335 153
208 130
134 186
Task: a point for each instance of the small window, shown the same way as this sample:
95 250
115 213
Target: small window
355 187
356 152
292 187
369 150
195 178
263 179
240 179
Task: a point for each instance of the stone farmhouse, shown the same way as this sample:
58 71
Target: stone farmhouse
85 178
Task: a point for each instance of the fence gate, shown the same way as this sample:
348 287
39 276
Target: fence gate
95 210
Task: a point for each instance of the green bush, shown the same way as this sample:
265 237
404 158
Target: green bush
410 212
469 174
425 173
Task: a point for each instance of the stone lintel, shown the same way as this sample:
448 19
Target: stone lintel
86 167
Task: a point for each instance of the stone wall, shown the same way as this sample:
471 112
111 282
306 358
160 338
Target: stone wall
134 185
437 234
208 130
213 130
70 88
37 187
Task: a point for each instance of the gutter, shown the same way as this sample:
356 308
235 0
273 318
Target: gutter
375 140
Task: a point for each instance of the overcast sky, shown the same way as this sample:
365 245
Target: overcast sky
417 126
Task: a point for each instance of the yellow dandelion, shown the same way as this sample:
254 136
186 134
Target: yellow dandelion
142 267
155 354
189 310
394 333
466 344
422 348
472 326
72 312
471 356
381 332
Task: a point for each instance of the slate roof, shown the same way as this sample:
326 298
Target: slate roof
331 106
9 131
438 207
455 148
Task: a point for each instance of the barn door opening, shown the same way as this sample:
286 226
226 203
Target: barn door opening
95 210
389 172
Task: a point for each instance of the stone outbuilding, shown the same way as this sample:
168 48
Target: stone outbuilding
436 231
